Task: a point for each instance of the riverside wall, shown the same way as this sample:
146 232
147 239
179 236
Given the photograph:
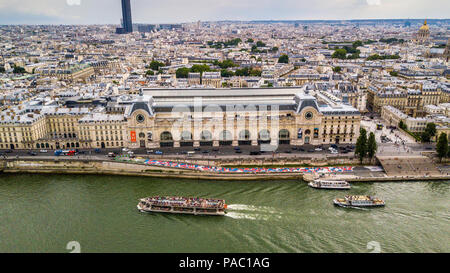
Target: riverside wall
127 169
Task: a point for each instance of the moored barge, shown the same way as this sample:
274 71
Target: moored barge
183 205
329 184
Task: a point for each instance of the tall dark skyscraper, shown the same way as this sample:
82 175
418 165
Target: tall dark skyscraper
127 24
126 15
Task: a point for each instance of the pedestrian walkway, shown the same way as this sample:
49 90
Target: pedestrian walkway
195 167
408 166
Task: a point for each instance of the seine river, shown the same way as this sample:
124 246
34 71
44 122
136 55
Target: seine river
42 213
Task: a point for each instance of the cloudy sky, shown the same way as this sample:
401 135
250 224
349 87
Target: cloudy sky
178 11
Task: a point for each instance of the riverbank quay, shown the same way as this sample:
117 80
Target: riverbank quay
395 168
182 170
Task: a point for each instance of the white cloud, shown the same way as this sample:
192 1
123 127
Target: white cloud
73 2
374 2
179 11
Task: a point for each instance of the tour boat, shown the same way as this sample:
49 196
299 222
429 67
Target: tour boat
183 205
359 201
329 184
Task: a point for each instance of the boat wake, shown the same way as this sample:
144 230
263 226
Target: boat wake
249 212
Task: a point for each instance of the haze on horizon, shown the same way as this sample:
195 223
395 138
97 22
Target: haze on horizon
177 11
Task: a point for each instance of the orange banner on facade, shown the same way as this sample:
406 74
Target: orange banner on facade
133 136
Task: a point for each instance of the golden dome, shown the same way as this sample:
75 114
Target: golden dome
425 26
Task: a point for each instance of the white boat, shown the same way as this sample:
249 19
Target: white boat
329 184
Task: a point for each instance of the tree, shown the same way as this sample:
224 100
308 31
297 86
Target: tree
339 54
260 44
225 64
357 44
250 40
200 68
425 137
283 59
361 145
155 65
19 70
245 72
337 69
431 129
149 73
393 73
402 125
373 57
226 73
182 72
371 146
2 69
442 146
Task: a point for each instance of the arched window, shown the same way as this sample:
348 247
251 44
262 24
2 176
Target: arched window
38 145
284 134
225 136
166 136
186 136
308 132
244 135
264 134
206 135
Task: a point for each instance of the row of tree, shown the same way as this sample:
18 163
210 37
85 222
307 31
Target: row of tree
442 148
384 57
366 147
426 136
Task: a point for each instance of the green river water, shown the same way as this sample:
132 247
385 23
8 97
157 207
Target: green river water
42 213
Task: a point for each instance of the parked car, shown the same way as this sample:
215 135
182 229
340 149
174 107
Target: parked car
111 155
205 152
150 152
158 153
43 151
334 152
97 151
32 153
311 151
125 150
197 149
8 151
255 153
318 149
215 149
238 151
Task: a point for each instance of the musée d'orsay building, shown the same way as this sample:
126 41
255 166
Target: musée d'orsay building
184 117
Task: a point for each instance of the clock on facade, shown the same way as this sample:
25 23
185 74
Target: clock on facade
140 118
309 115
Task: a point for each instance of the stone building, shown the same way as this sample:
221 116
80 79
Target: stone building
174 118
423 36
